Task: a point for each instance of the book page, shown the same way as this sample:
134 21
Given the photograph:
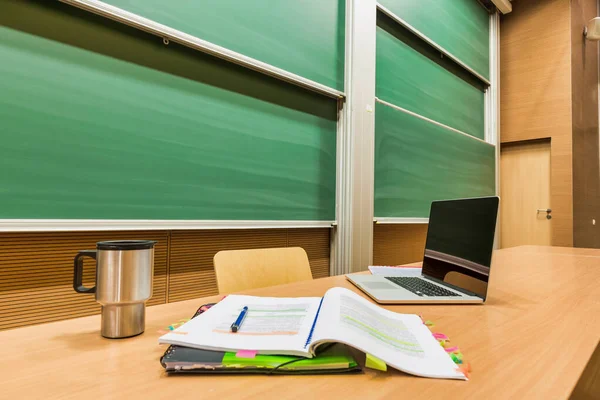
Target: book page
401 340
272 325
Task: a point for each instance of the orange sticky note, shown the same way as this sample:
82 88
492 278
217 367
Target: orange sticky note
465 369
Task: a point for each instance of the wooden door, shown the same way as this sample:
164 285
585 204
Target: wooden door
525 189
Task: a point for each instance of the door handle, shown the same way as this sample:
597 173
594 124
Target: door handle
548 212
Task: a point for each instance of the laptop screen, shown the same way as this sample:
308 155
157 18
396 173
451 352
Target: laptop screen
460 241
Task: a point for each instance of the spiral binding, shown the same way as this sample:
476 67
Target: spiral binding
172 348
312 329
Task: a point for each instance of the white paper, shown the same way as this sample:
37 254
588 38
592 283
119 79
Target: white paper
394 271
400 340
282 326
268 319
273 325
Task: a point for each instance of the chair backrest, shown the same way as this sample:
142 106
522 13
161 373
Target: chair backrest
239 270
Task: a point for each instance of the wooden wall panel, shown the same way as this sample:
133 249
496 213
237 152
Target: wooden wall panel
586 157
36 275
192 274
36 269
316 244
396 244
535 71
191 255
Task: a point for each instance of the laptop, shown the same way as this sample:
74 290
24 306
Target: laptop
457 260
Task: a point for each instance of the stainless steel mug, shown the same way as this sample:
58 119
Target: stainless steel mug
124 274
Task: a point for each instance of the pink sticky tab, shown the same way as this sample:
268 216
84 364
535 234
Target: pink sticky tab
246 353
451 349
440 336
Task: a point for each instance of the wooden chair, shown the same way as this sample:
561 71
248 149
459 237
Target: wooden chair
239 270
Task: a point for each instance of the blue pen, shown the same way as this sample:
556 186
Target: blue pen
238 322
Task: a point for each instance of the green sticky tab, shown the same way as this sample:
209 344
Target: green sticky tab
336 357
456 359
375 363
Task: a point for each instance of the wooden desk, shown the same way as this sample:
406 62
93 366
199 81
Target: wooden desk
532 340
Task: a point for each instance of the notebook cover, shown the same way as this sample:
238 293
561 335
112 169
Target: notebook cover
179 359
335 358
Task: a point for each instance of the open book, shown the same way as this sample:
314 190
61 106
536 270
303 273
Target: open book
297 326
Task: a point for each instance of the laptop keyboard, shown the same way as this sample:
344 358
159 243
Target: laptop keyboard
421 287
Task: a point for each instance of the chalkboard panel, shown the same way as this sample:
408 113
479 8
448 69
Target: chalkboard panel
304 37
411 80
417 162
109 124
462 27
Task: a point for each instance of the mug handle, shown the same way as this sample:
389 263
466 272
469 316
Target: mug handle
78 271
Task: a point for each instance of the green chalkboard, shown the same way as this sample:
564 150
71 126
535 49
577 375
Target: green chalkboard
407 78
304 37
462 27
417 162
110 124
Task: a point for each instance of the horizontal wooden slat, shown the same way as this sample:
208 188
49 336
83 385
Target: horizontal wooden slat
26 252
191 258
398 244
181 276
26 306
191 280
36 274
22 290
54 291
43 268
316 244
11 280
192 252
189 283
32 260
58 297
36 269
69 248
40 313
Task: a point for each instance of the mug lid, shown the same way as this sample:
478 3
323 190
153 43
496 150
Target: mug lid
126 245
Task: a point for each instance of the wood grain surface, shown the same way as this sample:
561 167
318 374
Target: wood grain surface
525 189
536 97
531 340
36 269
